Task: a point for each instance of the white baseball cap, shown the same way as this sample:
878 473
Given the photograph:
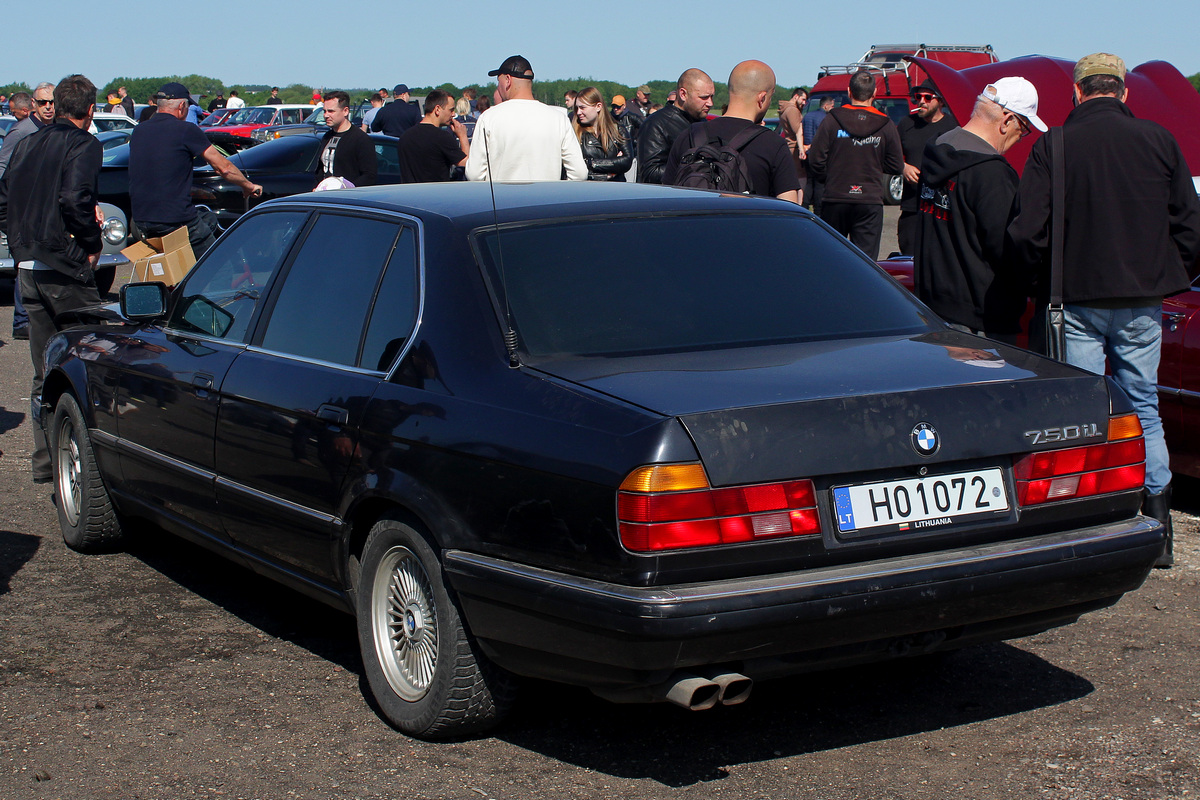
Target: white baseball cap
1018 96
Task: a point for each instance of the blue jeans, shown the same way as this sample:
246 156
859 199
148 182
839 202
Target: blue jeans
1131 338
20 315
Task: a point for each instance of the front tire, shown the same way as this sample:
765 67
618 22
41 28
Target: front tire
422 666
85 512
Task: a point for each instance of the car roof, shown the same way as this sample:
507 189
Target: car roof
468 204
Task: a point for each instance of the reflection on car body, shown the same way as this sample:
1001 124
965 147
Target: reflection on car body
501 456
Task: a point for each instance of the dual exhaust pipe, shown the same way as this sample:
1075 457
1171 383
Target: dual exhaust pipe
697 691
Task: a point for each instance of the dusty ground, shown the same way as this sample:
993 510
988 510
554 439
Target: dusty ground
164 672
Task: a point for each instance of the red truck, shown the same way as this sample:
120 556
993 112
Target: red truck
895 79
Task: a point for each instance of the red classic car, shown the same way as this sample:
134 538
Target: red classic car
1159 92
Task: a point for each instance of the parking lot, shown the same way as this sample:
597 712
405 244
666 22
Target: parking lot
165 672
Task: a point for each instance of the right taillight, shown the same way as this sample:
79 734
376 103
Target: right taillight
672 506
1117 465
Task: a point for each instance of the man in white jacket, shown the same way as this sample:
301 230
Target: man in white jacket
521 139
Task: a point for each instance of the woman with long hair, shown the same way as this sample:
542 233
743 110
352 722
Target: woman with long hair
606 149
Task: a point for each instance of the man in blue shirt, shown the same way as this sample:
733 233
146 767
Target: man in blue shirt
161 152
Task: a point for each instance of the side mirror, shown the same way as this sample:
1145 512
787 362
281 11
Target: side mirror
143 301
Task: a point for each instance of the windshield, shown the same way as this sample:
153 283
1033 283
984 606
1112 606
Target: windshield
680 283
252 116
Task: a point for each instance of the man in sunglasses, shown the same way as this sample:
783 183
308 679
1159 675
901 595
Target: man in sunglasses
966 198
1132 234
37 114
930 120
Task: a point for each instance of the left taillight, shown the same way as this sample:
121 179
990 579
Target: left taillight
672 506
1117 465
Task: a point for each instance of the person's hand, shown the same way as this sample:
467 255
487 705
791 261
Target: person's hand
99 216
253 190
456 127
912 174
94 261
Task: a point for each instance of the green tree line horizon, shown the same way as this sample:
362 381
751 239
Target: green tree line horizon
548 91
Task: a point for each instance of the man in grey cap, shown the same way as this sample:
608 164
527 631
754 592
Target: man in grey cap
1132 234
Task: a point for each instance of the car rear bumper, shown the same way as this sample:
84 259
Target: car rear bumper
546 624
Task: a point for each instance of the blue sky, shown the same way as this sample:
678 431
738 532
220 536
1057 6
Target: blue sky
377 43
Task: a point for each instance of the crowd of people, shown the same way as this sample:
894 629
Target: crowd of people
979 236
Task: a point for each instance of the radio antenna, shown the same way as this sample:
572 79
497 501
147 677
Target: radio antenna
510 335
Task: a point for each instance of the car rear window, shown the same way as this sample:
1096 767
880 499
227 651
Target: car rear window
603 287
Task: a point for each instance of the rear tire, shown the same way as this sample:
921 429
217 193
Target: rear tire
85 512
423 667
893 189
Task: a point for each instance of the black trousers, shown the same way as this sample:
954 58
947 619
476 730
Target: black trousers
861 224
48 293
907 230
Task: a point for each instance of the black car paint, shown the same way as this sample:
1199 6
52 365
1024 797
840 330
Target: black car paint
514 470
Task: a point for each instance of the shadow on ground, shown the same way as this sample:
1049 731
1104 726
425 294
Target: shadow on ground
810 713
10 420
272 608
16 549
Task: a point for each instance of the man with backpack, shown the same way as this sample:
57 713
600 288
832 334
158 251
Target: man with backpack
735 153
855 147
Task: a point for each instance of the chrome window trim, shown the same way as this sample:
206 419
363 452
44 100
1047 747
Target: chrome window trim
315 361
416 223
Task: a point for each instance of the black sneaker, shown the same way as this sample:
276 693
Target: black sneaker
21 332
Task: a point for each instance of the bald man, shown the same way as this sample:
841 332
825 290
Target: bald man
693 98
768 162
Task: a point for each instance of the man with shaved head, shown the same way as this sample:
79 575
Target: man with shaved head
765 158
693 98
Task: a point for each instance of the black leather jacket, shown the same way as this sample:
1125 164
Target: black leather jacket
48 199
606 165
657 135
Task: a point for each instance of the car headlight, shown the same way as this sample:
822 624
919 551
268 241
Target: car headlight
114 230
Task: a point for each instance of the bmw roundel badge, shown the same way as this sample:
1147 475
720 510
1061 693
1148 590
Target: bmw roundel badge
925 439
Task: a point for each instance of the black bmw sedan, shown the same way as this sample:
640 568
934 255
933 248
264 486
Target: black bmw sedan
656 442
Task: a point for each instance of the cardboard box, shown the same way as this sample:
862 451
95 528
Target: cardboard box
167 259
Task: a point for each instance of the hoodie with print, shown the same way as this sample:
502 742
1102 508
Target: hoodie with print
855 147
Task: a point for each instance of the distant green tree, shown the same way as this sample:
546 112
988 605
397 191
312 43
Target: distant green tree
1195 79
142 89
9 88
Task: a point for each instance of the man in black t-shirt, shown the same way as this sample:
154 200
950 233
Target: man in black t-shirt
427 152
346 151
929 121
768 161
161 152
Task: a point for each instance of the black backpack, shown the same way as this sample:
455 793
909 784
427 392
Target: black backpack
709 165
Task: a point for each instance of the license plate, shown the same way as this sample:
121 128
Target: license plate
919 503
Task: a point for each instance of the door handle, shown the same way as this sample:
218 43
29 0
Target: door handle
333 414
1172 320
203 383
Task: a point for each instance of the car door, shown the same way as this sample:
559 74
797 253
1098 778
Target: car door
168 397
1179 379
287 431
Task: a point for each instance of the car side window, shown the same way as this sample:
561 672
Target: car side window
223 290
321 308
395 310
388 159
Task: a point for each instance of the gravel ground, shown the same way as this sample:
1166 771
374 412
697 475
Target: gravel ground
165 672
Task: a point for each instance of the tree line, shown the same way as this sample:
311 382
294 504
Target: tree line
551 91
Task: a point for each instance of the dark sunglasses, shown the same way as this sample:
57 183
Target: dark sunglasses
923 98
44 102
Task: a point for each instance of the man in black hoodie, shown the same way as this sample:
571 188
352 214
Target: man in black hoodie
965 199
854 148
